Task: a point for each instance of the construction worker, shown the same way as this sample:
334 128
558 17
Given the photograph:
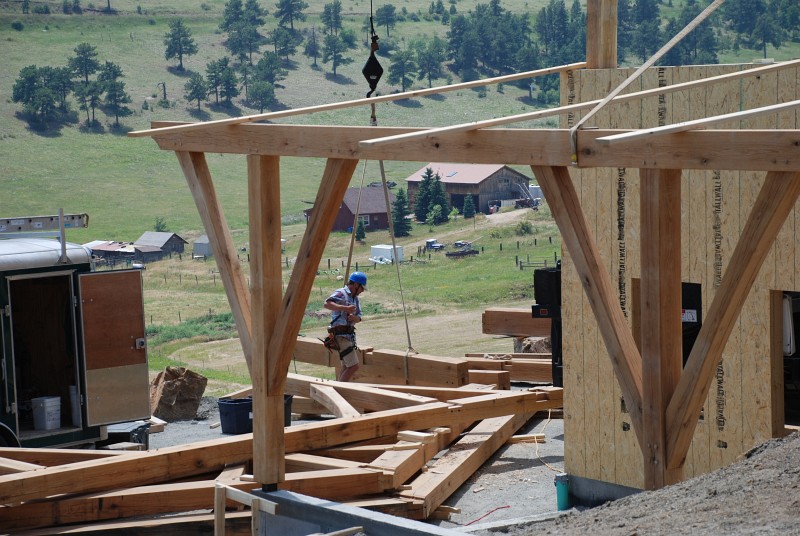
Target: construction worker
346 313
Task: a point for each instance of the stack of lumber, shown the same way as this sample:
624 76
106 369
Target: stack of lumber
378 453
392 367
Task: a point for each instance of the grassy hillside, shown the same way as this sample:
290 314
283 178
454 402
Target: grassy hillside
131 182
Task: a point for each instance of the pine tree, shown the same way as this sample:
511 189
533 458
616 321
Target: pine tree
423 198
469 207
400 211
361 233
439 198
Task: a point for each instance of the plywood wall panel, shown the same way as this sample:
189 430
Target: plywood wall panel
572 298
755 342
714 209
785 244
726 434
606 227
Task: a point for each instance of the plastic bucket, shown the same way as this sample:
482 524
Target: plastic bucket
46 412
236 415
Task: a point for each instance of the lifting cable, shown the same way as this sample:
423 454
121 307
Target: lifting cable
373 71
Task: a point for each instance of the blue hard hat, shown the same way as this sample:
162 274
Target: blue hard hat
359 277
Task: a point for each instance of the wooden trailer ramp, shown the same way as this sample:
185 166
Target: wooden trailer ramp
378 455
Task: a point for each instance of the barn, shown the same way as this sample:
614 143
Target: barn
488 184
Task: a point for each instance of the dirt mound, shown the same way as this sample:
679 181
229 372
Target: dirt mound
757 495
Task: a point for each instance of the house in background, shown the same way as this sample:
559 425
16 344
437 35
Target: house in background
126 252
202 247
371 210
488 184
166 241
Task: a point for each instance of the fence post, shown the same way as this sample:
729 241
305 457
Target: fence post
501 246
517 244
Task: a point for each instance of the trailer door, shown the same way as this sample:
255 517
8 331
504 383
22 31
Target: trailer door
112 314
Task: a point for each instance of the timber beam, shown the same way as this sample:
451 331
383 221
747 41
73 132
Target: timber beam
751 150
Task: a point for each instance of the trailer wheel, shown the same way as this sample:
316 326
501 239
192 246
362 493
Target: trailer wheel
7 437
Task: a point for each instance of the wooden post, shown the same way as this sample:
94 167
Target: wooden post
601 34
660 315
335 180
263 174
201 185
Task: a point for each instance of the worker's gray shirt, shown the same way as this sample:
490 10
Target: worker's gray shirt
343 296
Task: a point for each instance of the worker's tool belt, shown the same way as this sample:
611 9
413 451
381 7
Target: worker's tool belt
342 330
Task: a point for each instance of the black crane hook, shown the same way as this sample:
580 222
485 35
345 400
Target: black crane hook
372 70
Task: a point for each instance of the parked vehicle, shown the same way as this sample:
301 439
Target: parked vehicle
433 244
74 353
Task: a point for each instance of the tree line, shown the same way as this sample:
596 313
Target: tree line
486 41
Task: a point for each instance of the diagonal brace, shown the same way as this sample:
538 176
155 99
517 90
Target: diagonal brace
774 203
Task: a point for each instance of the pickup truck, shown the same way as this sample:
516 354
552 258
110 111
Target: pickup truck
434 244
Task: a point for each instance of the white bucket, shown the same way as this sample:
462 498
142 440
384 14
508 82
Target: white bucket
46 412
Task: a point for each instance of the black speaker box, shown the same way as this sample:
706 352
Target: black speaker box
547 286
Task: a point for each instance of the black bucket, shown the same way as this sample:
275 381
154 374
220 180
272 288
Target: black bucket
236 414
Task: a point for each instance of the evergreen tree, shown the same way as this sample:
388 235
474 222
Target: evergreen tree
229 84
232 14
332 17
60 81
423 197
311 49
400 213
84 63
386 16
361 233
179 42
116 99
469 207
115 95
434 215
262 95
646 35
253 13
285 43
289 11
215 71
88 95
333 52
268 68
439 198
196 89
32 92
402 68
767 31
430 56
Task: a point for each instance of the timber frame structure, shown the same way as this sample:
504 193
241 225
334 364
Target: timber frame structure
662 401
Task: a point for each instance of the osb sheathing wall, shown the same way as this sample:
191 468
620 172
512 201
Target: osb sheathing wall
738 412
